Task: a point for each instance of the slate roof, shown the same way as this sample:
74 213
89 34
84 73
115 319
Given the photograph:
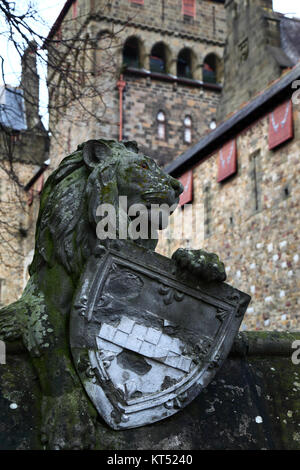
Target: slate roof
12 108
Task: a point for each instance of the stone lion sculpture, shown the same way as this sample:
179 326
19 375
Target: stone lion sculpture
98 172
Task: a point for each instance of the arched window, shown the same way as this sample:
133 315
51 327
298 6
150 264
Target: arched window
158 58
184 63
187 129
161 125
131 52
210 69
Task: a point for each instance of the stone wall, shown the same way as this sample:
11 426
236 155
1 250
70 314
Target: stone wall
251 220
164 15
18 209
140 115
17 229
252 404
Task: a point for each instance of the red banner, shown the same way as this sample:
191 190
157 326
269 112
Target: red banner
227 161
187 181
189 8
74 9
140 2
281 126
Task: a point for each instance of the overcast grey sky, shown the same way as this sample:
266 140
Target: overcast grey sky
50 9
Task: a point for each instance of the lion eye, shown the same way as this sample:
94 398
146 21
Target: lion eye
144 165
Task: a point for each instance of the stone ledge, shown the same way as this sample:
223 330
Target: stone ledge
253 403
250 343
265 343
173 79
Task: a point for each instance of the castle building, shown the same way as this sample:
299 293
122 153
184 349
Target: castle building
24 148
211 90
242 179
153 71
206 88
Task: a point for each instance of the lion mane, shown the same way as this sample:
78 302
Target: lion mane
66 226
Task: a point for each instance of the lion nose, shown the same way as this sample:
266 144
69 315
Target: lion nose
177 186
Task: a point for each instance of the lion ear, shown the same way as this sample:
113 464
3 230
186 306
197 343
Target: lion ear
95 151
131 145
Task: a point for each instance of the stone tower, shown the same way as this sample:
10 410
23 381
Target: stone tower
253 56
30 86
158 80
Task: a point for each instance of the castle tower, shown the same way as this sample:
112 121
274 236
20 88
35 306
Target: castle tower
253 56
157 81
30 86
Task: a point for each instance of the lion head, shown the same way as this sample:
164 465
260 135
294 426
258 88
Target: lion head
99 172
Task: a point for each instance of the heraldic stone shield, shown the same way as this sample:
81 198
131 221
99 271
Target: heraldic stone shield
145 338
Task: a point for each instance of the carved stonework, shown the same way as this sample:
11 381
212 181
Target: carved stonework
143 330
170 294
153 345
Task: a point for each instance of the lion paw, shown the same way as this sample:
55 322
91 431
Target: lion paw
67 422
205 265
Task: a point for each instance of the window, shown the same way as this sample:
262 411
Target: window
213 124
254 202
255 183
131 53
207 202
189 8
161 125
158 58
15 137
187 130
210 69
184 64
